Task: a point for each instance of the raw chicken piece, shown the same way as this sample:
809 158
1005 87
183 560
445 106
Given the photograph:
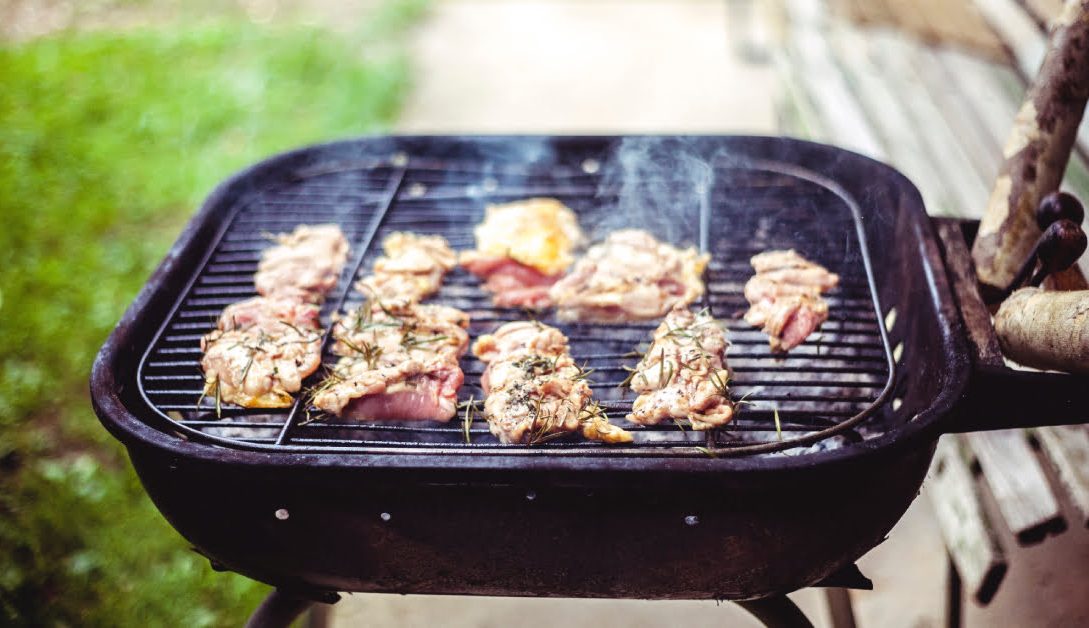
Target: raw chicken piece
785 297
265 346
400 362
534 390
683 375
522 248
255 369
629 276
412 268
305 265
270 314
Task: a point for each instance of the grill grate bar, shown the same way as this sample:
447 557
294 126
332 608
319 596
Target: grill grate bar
835 378
394 185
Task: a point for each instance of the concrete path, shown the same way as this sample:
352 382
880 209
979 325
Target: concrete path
557 66
570 66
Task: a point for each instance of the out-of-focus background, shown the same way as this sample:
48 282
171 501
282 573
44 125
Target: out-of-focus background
118 116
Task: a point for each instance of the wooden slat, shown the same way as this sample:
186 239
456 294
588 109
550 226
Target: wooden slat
1018 484
832 98
1067 448
995 95
969 536
901 140
892 53
1044 11
1027 42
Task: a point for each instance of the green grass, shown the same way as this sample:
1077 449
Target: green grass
107 142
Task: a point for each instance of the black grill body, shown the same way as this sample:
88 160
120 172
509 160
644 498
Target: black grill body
741 513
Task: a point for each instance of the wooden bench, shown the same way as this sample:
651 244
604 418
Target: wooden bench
941 115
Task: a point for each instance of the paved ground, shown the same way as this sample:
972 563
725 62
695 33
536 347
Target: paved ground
553 66
569 66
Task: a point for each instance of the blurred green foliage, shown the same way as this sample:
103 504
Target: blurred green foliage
108 140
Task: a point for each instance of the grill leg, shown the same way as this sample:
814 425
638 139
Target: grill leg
278 610
953 593
839 607
777 612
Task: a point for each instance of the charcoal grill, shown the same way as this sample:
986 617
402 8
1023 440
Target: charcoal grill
315 504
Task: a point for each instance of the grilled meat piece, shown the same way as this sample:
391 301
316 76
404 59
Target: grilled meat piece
400 362
785 297
522 248
412 268
629 276
305 264
683 375
534 390
253 368
263 347
270 314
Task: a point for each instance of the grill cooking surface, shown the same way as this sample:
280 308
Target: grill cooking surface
837 378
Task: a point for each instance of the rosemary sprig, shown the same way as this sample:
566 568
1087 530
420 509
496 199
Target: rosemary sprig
778 426
411 341
370 353
710 453
219 408
721 384
583 373
468 420
246 370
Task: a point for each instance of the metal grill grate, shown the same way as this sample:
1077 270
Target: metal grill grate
829 385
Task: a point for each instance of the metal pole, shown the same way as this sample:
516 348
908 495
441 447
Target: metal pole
953 594
777 612
839 607
278 610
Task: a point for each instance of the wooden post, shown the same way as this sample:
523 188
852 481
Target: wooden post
1036 152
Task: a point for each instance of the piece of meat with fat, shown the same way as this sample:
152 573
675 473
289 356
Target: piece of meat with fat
534 391
785 297
255 369
270 314
522 248
629 276
399 362
511 283
683 374
411 269
305 264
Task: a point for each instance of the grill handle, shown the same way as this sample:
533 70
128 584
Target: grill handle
1000 397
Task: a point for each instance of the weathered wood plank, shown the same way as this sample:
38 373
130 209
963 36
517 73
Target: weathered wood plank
982 150
892 53
969 536
832 98
902 142
995 94
1020 32
1018 484
1027 42
1044 11
1067 448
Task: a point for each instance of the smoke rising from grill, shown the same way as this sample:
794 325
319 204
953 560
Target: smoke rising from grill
660 185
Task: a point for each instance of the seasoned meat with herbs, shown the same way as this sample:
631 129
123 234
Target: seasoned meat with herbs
253 368
270 314
785 297
534 390
263 347
305 264
522 248
629 276
399 362
683 374
411 269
